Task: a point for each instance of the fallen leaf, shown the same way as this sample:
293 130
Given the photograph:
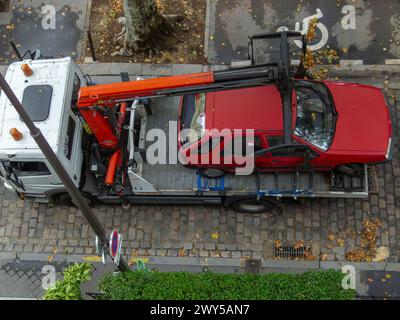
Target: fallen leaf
299 244
341 242
215 235
324 257
331 237
382 253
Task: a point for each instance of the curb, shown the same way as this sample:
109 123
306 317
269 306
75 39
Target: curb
115 68
86 28
199 262
207 29
146 69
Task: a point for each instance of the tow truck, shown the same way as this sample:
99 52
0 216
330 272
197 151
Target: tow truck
98 132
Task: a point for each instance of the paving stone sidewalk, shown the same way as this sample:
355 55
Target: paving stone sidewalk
331 226
23 279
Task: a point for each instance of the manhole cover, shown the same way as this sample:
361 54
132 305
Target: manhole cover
4 5
292 252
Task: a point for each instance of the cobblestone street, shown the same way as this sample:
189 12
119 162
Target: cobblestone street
331 226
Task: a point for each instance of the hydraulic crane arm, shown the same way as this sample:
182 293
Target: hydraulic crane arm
108 94
96 103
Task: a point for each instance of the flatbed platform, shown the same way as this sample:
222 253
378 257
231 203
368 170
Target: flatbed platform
174 183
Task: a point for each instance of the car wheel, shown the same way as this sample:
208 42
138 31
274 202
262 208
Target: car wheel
352 170
212 173
252 205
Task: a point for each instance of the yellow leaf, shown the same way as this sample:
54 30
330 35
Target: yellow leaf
92 259
215 235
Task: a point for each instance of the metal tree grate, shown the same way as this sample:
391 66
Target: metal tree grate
292 252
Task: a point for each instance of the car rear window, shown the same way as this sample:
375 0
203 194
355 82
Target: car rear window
37 100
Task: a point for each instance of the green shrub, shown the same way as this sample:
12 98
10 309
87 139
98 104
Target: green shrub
69 287
320 285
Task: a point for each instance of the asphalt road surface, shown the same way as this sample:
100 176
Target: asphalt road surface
55 27
358 30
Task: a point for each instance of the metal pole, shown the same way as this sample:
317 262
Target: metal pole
74 192
16 51
91 45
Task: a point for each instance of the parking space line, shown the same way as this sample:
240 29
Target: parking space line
351 62
392 61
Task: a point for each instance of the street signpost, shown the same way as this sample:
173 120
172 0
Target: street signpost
100 250
115 246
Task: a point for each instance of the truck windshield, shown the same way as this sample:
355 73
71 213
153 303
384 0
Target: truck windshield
316 114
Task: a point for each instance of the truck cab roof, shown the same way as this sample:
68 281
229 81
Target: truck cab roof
43 95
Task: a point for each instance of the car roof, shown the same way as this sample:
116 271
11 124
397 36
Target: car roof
258 108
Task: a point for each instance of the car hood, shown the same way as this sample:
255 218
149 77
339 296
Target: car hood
364 123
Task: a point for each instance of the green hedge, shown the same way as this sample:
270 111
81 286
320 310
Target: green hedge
139 285
69 287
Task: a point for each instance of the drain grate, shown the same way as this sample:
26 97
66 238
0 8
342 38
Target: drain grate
292 252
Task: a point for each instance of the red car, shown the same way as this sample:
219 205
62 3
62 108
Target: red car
335 126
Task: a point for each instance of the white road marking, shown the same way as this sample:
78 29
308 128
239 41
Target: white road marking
351 62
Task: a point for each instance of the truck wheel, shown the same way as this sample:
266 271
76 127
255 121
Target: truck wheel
352 170
212 173
64 199
252 205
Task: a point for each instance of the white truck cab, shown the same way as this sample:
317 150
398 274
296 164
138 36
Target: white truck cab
48 96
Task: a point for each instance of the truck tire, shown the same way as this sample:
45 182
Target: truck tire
352 170
252 205
64 199
212 173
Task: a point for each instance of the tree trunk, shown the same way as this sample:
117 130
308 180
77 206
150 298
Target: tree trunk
143 26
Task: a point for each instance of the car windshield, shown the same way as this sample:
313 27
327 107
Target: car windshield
316 114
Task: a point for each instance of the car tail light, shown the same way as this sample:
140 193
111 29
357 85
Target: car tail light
389 151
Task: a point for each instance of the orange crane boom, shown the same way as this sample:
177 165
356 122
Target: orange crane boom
95 100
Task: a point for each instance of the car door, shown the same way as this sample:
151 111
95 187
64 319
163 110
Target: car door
237 150
206 153
285 158
290 158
